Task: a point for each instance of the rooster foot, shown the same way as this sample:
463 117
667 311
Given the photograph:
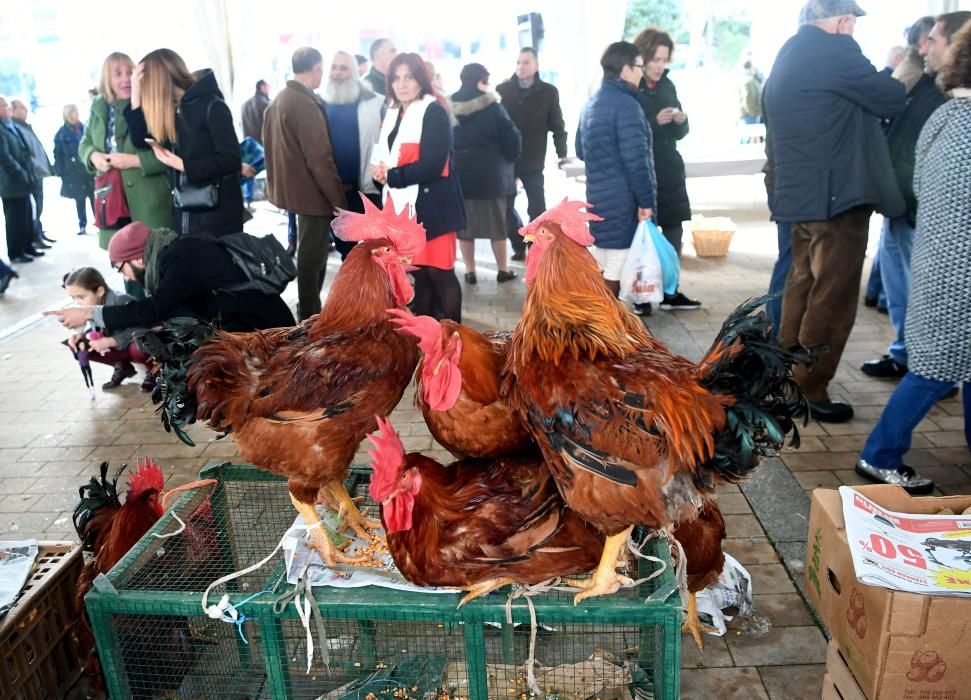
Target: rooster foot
351 515
332 556
483 587
693 624
600 584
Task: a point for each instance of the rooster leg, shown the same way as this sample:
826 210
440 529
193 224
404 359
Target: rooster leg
352 515
483 587
693 624
319 540
605 579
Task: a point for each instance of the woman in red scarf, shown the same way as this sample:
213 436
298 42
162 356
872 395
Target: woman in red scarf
414 163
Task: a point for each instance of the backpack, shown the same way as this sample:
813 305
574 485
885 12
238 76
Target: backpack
264 261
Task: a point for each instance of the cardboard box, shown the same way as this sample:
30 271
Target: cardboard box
840 677
898 645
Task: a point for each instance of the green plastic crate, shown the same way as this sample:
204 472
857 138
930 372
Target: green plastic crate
154 639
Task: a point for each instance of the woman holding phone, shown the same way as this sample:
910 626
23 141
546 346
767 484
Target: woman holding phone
196 140
669 124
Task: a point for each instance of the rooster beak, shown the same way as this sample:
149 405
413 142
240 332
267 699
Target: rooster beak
529 238
405 259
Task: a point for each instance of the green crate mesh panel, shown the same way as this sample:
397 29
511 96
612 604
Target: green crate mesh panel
379 643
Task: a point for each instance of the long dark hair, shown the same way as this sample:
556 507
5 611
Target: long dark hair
86 278
418 69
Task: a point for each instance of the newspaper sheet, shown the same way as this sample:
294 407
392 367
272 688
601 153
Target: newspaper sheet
16 563
906 552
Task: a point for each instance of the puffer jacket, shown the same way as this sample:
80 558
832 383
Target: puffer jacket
614 141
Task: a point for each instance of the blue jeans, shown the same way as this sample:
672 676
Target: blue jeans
247 184
910 402
896 246
291 228
780 271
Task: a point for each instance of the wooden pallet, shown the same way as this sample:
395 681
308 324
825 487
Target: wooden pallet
839 683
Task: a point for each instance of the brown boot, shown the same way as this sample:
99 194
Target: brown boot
123 370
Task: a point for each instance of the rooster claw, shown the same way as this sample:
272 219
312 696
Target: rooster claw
483 587
602 585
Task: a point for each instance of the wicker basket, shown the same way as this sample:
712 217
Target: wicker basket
712 236
39 653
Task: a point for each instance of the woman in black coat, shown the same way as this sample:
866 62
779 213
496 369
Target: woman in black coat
487 144
659 100
76 181
205 159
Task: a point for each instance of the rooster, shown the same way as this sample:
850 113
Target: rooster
108 528
701 539
458 388
298 401
477 524
632 433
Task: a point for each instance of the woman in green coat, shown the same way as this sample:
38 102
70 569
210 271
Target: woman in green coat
106 144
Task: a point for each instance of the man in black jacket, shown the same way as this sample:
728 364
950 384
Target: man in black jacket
382 51
184 276
17 181
534 106
832 168
897 239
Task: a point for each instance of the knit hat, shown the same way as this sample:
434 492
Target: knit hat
129 243
816 10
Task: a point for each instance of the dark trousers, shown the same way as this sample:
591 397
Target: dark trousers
535 188
20 225
437 294
820 302
513 224
38 195
80 203
313 244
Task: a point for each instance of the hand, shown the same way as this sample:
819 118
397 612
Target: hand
379 173
100 162
680 117
665 116
102 344
72 342
644 214
124 161
248 170
72 317
136 85
168 158
563 161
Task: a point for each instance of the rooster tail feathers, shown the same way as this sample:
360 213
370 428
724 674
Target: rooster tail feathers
745 363
95 495
172 347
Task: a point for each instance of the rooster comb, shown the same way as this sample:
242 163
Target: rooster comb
403 230
389 453
146 476
570 216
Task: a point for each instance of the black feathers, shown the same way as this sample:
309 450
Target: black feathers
767 398
95 495
172 347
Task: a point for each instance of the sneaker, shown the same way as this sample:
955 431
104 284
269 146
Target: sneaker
904 476
471 278
678 302
643 309
123 370
505 276
884 368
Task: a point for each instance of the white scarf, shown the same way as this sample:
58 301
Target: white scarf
409 132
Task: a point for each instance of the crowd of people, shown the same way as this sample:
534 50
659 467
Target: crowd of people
160 162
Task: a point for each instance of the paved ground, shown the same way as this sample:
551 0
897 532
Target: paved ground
52 436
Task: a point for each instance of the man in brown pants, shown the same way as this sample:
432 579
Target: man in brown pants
301 175
832 169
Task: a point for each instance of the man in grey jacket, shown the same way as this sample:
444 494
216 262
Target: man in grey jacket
354 113
824 102
41 163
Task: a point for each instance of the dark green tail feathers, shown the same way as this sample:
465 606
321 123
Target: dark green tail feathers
172 347
767 399
95 495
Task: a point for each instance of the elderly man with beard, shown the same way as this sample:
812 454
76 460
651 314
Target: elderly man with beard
354 113
184 276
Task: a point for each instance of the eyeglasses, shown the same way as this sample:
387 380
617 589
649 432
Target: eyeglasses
118 267
638 66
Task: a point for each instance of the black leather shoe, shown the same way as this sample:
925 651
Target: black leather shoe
20 259
48 240
904 476
505 276
830 411
5 279
884 368
40 244
471 278
519 255
870 302
123 370
34 252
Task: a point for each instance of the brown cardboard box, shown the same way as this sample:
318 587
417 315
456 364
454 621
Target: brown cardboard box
898 645
840 677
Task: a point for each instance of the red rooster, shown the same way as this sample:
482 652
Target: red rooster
632 433
476 524
108 528
458 388
701 538
299 400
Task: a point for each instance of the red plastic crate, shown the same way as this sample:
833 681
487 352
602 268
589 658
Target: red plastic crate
40 656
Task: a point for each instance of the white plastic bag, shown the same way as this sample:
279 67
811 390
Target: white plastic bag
641 281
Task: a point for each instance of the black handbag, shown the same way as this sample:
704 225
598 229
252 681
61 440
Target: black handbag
189 196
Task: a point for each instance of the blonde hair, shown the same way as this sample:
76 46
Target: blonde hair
67 112
165 80
104 84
